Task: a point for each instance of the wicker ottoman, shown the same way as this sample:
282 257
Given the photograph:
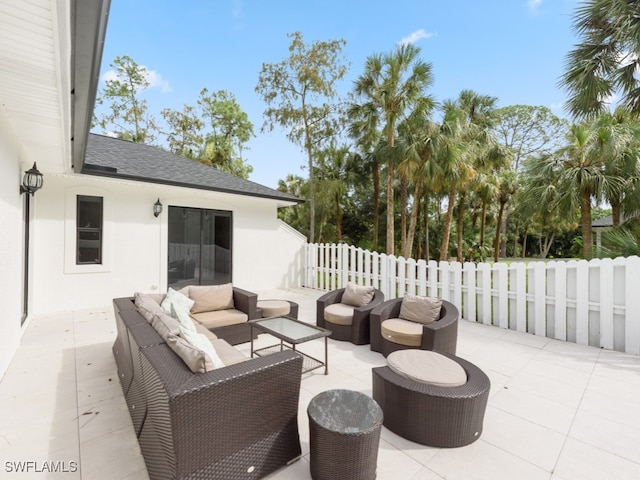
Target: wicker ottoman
277 308
344 433
434 415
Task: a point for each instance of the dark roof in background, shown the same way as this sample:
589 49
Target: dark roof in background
112 157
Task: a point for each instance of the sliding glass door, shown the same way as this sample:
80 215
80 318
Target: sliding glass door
199 247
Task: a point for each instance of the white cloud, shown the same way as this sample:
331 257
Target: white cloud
534 4
153 77
415 36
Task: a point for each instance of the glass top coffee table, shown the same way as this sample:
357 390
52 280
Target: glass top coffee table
293 332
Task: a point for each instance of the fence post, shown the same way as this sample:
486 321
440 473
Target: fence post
401 269
632 306
456 284
519 275
582 303
384 276
501 288
432 278
445 283
484 282
422 278
606 303
560 299
469 301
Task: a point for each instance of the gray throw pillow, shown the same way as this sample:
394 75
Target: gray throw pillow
357 296
420 309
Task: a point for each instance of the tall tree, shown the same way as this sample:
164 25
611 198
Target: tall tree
299 93
230 130
605 62
392 86
128 116
184 135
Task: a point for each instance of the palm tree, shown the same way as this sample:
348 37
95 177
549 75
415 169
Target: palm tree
606 59
391 86
578 171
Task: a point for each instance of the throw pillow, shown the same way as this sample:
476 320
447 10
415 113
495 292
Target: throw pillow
147 306
165 325
209 298
357 296
179 313
177 298
200 341
420 309
193 357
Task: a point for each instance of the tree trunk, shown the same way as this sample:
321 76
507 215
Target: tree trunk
391 247
503 229
413 219
444 248
427 253
338 220
376 206
403 215
460 232
585 220
312 199
496 241
483 224
615 212
524 241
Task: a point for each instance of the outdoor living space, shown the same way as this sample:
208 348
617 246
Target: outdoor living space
556 410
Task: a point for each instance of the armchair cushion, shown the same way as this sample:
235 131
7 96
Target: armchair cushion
402 332
339 314
165 325
209 298
193 357
148 305
220 318
420 309
357 296
427 367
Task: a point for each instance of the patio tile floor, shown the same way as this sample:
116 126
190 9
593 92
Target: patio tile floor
557 411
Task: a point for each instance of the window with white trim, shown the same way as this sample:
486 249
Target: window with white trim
89 224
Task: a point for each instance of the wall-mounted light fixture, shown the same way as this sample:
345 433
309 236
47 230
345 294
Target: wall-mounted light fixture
32 180
157 208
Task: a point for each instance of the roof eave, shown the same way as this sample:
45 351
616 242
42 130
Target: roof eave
89 23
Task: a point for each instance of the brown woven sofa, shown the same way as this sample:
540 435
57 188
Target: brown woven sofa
238 421
440 335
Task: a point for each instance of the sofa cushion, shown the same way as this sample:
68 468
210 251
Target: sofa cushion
220 318
200 341
209 298
402 332
228 354
427 367
357 296
339 314
178 298
165 325
147 305
205 331
193 357
420 309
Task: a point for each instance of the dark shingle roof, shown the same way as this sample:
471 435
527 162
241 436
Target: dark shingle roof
113 157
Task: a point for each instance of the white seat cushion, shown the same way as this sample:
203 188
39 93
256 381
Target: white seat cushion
427 367
402 332
339 314
274 308
220 318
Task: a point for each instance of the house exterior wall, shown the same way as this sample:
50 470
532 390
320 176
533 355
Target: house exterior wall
135 242
11 242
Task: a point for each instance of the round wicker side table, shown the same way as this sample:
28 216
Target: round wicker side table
344 434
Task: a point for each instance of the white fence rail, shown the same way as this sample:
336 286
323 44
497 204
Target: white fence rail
593 303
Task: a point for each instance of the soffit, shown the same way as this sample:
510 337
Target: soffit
35 79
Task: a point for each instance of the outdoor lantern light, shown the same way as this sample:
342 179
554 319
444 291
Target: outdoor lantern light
157 208
31 181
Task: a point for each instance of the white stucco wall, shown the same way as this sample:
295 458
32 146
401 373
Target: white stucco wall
11 242
135 242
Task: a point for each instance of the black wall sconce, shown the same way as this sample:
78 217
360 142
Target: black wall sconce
157 208
32 180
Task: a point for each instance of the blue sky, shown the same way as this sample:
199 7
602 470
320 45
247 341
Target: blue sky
511 49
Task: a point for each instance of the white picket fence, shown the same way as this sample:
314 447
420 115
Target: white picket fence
593 303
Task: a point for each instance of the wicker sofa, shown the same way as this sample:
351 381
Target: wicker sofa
234 422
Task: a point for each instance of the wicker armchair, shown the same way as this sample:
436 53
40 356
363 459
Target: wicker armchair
441 335
433 415
356 333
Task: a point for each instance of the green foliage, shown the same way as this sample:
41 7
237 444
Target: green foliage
128 115
184 135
